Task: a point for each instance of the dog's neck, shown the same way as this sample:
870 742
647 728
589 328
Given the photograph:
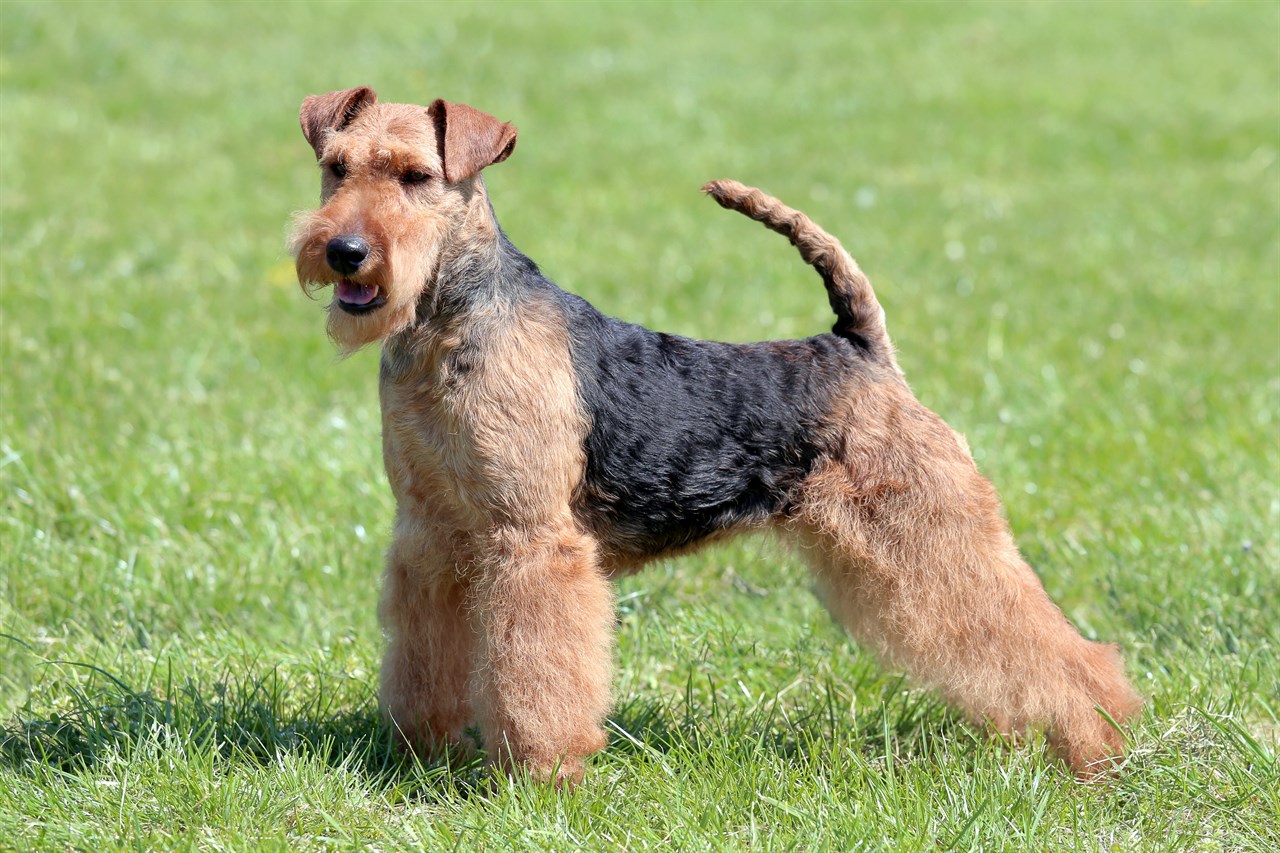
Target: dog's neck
479 280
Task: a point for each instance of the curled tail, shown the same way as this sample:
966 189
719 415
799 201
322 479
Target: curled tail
859 317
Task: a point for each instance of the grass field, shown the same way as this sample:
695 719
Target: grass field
1071 213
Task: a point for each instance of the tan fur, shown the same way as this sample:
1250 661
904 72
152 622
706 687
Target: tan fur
850 290
915 560
427 665
496 600
911 551
489 467
473 139
407 238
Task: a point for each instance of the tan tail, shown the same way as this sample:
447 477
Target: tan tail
859 317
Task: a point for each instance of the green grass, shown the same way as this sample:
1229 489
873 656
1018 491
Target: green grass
1071 215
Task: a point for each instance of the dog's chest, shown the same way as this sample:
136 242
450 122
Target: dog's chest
426 444
487 435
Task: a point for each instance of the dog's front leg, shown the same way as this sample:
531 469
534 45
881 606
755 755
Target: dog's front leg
427 664
543 613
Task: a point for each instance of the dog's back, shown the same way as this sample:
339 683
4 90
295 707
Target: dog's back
672 458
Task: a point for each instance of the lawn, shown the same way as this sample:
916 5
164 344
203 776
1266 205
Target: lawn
1072 216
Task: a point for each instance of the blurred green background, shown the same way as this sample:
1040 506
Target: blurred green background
1070 212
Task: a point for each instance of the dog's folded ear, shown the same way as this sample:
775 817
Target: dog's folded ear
334 111
469 140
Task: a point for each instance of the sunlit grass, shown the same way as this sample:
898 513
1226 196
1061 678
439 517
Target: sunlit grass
1070 212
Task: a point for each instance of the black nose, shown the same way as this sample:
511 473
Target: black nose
346 253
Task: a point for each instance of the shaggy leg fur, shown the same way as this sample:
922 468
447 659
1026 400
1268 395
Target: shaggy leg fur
427 663
545 615
915 560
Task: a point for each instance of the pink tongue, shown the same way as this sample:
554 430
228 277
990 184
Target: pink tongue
353 293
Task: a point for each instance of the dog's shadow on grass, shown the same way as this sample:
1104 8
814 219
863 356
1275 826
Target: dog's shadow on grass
253 721
258 721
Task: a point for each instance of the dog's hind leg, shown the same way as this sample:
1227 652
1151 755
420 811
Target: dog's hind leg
913 557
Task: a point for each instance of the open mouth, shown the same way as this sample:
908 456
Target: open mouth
356 298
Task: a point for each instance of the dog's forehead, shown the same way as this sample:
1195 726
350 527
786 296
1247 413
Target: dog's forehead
409 123
401 130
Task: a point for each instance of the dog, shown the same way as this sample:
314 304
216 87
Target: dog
537 449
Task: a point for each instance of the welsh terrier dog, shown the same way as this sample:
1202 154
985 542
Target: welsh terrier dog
537 448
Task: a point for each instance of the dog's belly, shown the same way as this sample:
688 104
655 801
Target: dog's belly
689 438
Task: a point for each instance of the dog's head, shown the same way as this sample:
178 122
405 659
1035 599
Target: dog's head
397 182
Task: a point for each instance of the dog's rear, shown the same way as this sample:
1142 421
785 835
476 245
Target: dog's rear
912 554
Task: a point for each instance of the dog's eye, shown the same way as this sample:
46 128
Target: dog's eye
415 176
339 169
